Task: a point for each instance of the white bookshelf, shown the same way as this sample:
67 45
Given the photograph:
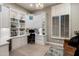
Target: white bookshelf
22 27
14 27
17 23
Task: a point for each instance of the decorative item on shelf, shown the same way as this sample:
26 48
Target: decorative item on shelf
22 21
76 32
22 29
14 25
21 32
21 18
40 31
36 31
31 17
22 25
14 33
27 30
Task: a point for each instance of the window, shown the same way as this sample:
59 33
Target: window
55 26
60 26
65 26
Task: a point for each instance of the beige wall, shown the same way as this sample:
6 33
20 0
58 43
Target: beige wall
75 17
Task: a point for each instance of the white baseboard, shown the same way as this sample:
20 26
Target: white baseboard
52 43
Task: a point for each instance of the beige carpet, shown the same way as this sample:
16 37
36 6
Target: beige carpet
31 50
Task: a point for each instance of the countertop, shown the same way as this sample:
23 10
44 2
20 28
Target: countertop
4 43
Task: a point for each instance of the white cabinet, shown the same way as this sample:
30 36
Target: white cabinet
40 39
16 14
74 18
13 13
0 15
62 9
4 50
17 20
19 42
4 17
4 34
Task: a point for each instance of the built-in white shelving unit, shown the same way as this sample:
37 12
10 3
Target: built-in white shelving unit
17 23
22 27
14 27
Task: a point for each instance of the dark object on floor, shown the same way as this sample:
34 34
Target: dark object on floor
74 42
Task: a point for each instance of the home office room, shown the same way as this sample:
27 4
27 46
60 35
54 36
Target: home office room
39 29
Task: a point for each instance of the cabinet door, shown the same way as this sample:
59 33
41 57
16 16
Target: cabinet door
13 13
55 25
4 17
65 26
4 50
0 16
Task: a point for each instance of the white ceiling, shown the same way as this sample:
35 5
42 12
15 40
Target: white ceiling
28 7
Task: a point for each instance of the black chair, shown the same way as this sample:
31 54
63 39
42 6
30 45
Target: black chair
31 37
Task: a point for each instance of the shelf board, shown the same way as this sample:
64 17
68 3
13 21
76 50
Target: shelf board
17 36
60 37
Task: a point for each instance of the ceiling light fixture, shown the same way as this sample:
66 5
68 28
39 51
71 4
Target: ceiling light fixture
31 5
41 5
37 5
